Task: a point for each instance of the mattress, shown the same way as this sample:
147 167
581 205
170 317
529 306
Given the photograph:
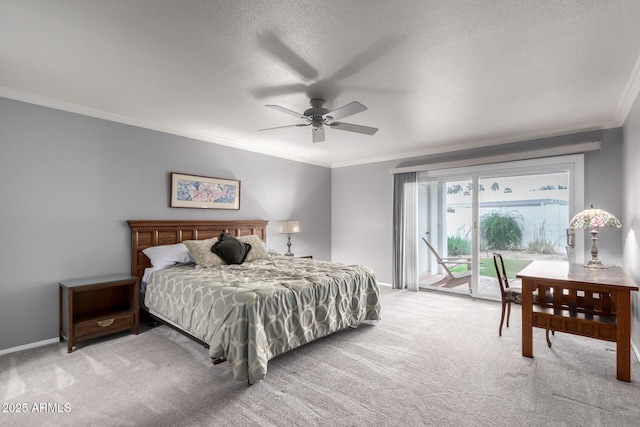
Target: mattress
252 312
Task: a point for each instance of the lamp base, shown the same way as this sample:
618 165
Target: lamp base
289 253
595 263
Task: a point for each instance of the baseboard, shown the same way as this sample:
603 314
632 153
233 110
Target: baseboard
28 346
635 350
384 284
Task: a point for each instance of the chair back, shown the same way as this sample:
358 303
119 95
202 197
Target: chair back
501 272
438 258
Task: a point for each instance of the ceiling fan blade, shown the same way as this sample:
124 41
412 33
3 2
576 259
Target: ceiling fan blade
287 111
286 126
347 110
266 92
279 50
318 134
369 55
353 128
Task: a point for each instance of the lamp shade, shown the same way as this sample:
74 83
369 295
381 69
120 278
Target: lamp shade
594 218
289 227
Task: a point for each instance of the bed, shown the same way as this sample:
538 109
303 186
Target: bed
248 313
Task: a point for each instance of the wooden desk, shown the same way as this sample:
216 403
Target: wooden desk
593 303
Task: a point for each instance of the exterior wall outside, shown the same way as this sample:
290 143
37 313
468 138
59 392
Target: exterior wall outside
554 215
71 182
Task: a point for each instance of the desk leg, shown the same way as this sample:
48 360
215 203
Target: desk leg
527 318
623 338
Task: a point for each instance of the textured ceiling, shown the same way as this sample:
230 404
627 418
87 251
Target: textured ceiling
435 75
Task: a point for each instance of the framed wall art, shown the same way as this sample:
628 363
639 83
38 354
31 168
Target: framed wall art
203 192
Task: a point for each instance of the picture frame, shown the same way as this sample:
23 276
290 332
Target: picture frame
204 192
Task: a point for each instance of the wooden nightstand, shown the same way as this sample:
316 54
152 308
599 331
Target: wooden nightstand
98 306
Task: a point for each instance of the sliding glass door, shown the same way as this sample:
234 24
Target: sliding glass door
519 209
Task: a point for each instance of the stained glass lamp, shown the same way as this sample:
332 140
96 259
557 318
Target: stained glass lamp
594 218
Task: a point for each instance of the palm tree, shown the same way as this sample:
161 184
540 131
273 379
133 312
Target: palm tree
454 189
470 187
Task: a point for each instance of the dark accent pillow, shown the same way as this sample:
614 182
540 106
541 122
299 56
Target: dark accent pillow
230 249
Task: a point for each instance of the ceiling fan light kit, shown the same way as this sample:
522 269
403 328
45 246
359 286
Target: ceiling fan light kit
318 117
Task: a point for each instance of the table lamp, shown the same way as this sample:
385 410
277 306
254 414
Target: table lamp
289 227
594 218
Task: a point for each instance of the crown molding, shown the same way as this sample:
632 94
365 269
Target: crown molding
629 95
118 118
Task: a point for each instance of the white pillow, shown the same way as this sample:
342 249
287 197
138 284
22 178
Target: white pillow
167 255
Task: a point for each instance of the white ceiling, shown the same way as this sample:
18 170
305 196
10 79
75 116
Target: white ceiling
435 75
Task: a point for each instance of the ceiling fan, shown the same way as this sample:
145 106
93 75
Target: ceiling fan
318 117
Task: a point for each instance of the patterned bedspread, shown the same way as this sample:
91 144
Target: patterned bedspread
252 312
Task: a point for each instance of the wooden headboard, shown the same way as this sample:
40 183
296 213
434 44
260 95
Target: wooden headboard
145 233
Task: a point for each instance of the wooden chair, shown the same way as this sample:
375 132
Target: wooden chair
511 294
452 279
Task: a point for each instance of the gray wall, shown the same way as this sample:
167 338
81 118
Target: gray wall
70 183
362 198
362 215
631 211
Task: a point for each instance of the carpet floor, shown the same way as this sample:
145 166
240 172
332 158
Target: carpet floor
434 359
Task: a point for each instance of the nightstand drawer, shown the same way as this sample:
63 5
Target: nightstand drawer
104 325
